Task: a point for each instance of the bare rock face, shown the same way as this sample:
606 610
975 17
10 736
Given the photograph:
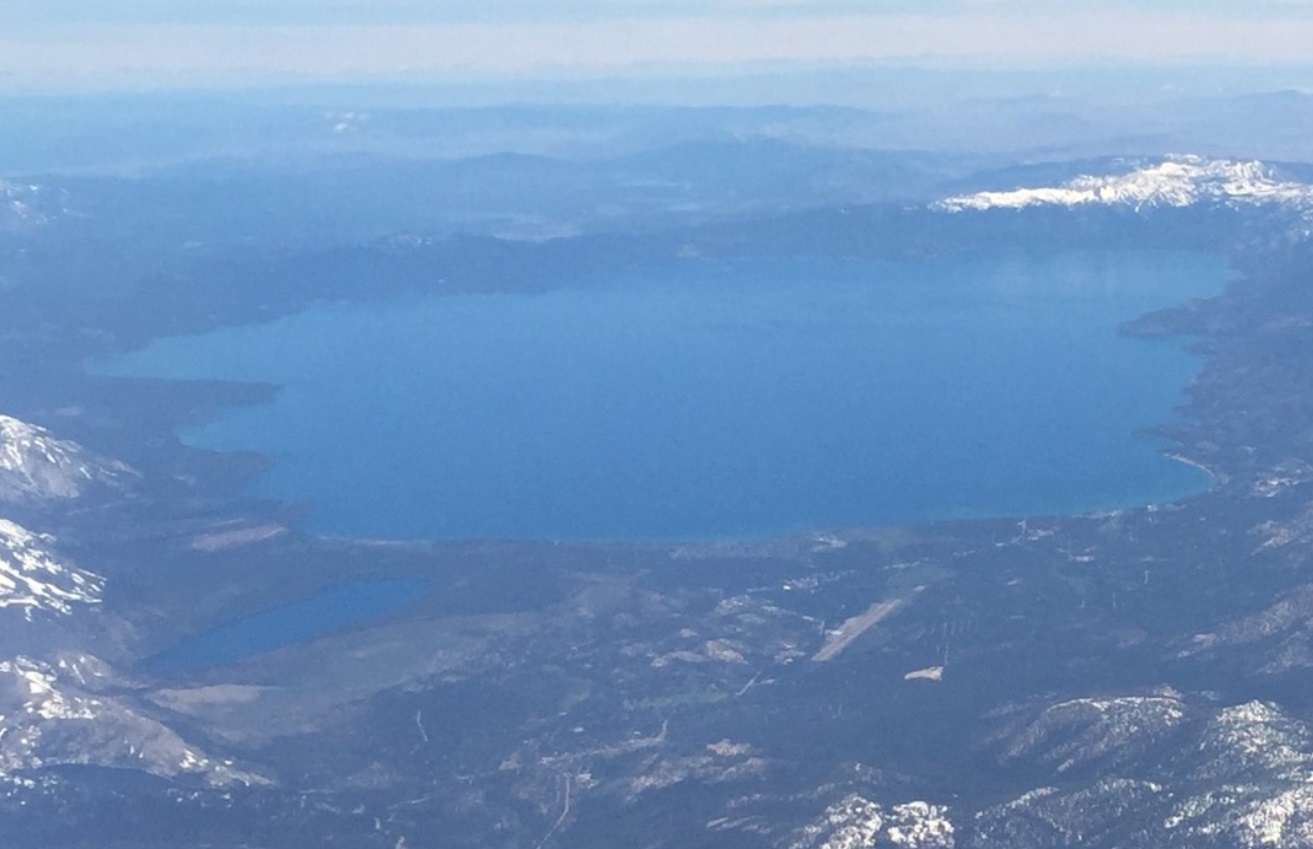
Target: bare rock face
35 466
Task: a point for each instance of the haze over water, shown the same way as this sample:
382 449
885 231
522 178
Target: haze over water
705 399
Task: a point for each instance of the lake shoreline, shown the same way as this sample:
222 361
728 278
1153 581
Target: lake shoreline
513 466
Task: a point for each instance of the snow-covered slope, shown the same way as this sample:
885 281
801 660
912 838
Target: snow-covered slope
1176 181
36 466
67 712
1076 734
33 579
858 823
1185 771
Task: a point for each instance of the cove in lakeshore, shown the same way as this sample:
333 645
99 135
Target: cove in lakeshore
743 398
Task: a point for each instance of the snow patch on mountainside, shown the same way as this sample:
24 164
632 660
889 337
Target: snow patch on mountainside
1258 780
1078 733
33 579
858 823
36 466
65 712
1178 181
1236 776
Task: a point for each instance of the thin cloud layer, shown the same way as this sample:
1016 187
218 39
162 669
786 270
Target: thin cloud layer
142 47
264 12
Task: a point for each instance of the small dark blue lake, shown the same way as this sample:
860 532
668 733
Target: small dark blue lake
337 607
712 399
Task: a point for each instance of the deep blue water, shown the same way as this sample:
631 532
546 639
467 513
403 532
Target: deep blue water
714 399
334 608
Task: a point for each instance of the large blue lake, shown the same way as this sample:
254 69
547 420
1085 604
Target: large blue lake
717 399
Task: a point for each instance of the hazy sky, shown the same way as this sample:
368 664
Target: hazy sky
106 43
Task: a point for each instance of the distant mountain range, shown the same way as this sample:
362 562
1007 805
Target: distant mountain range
1176 181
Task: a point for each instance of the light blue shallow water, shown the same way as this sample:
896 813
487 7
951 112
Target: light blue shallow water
715 399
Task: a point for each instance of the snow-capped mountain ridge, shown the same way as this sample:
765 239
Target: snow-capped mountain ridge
857 823
33 579
1204 774
1177 181
64 712
37 466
